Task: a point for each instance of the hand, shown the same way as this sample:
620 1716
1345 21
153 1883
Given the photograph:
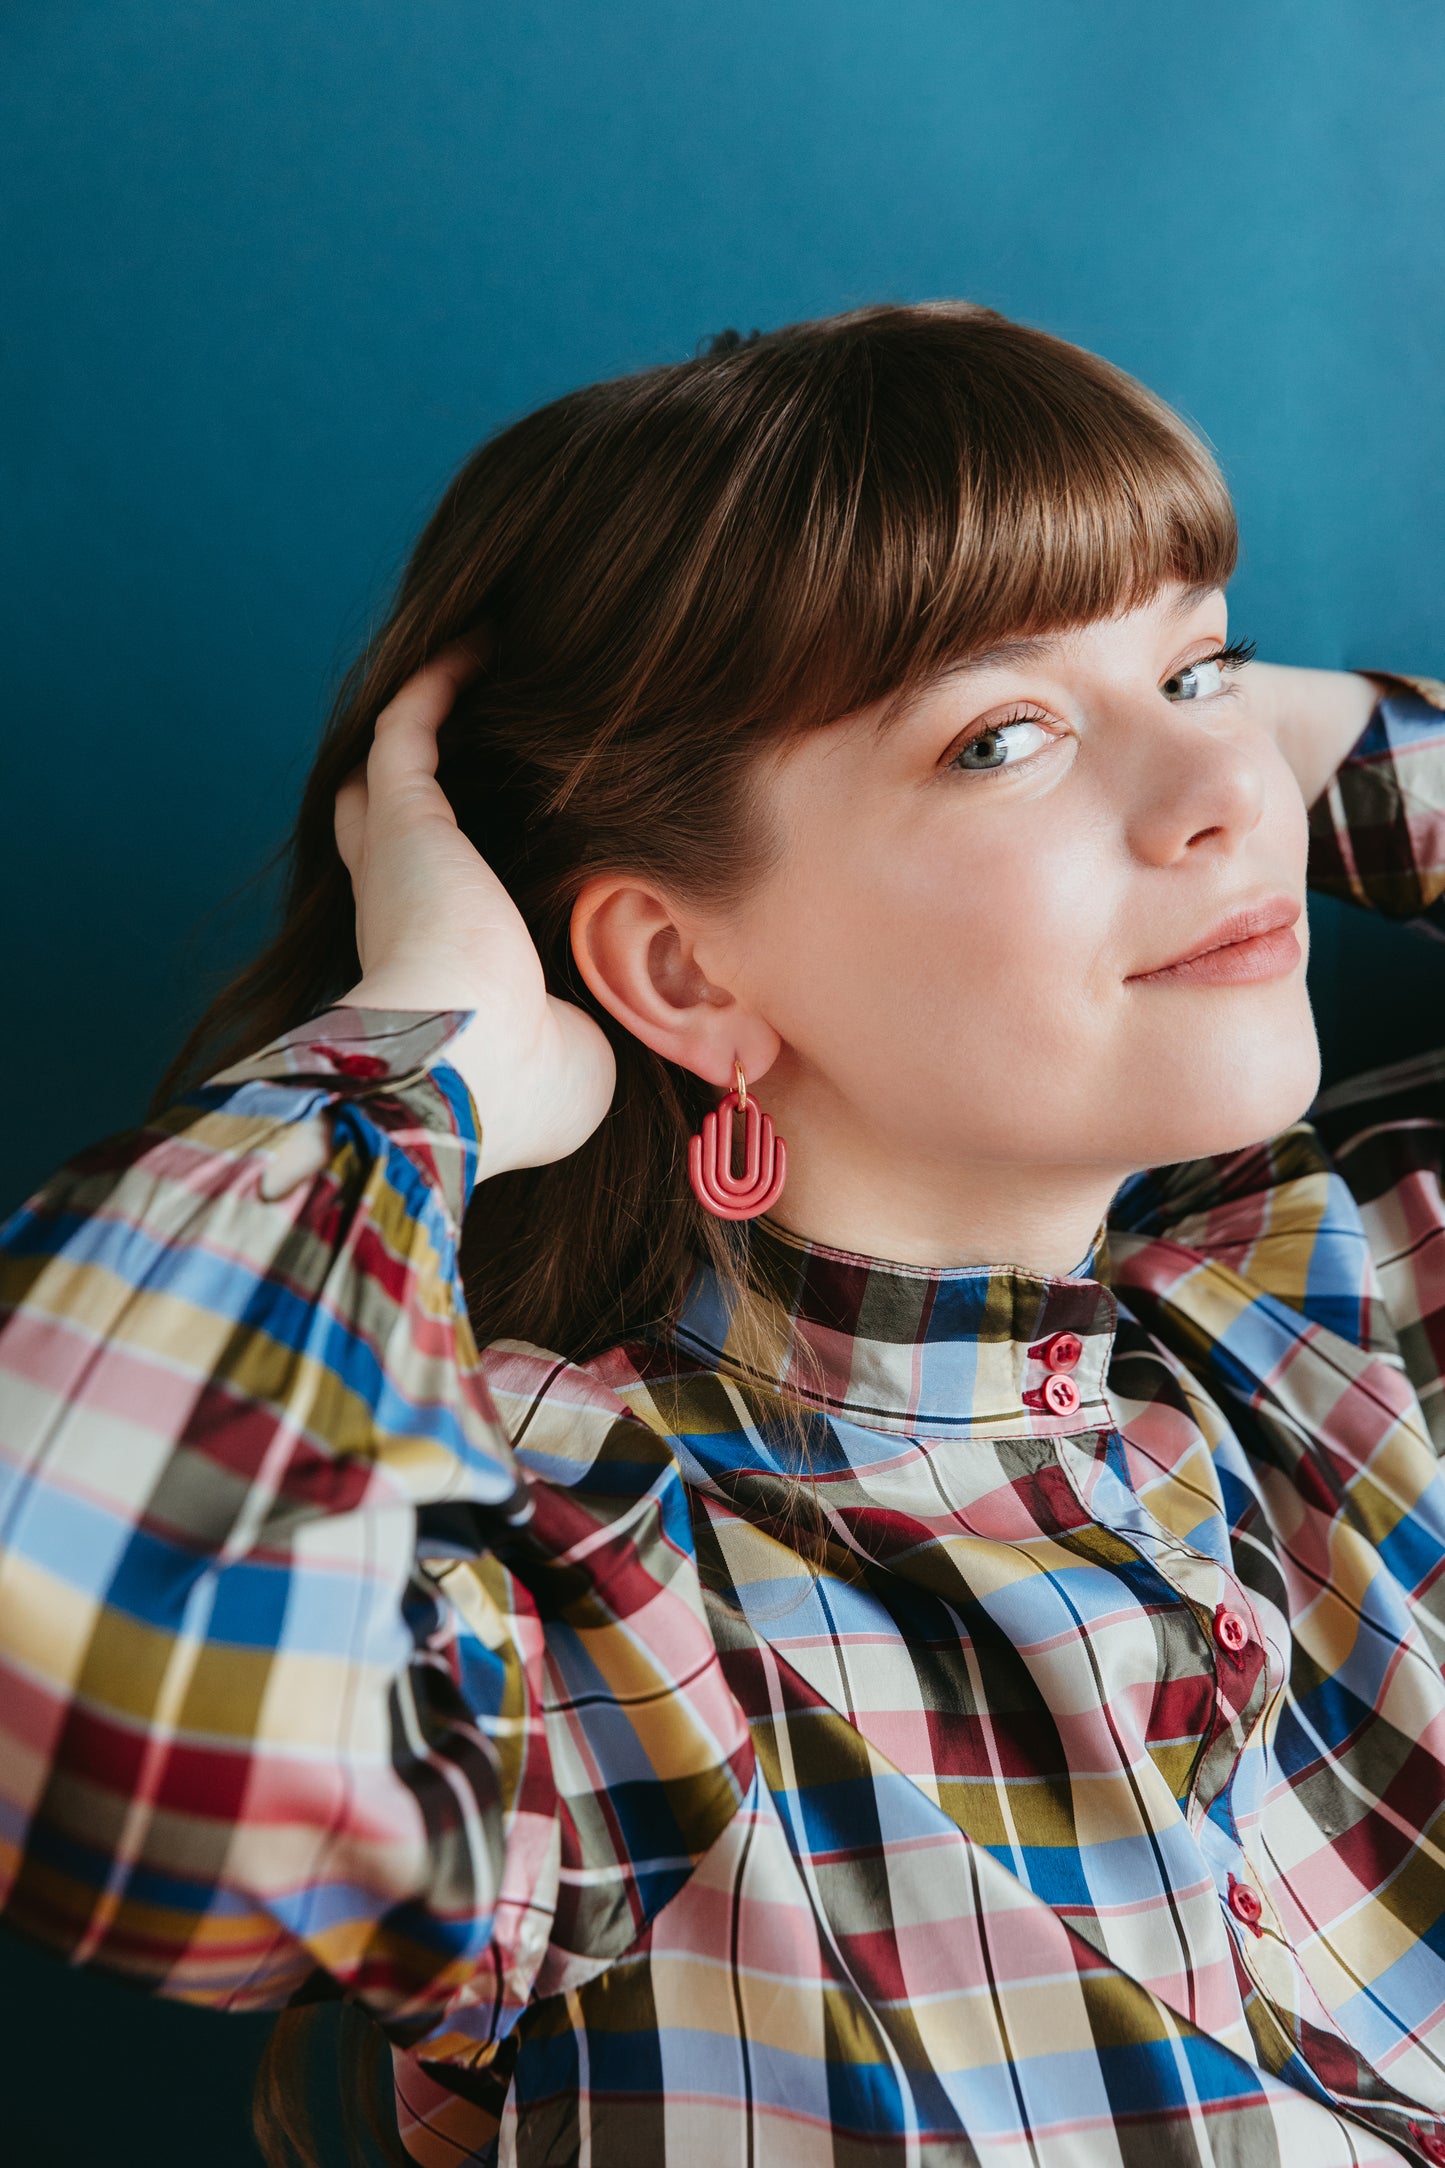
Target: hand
435 929
1315 716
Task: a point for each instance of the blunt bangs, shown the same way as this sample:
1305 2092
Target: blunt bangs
775 535
967 481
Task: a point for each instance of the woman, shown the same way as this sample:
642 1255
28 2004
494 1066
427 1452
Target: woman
935 1657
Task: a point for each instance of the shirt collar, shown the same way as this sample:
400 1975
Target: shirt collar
962 1351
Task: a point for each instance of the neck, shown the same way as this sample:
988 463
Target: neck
871 1197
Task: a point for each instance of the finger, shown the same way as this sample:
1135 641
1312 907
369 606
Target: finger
349 820
302 1153
404 750
480 642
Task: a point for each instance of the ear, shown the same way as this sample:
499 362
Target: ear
637 955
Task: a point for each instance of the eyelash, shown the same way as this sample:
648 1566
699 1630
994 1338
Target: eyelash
1234 656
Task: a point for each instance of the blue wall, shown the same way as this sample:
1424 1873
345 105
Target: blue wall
272 270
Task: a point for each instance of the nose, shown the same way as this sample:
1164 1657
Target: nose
1200 783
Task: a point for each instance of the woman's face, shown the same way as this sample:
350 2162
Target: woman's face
964 941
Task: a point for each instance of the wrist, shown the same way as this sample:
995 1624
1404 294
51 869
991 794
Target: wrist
396 987
1317 718
401 990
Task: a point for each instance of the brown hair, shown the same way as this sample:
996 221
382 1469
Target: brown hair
676 569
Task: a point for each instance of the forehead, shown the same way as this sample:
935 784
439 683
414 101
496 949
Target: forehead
1161 615
845 754
857 751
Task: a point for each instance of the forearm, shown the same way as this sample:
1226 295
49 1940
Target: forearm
1377 824
1317 716
288 1634
224 1679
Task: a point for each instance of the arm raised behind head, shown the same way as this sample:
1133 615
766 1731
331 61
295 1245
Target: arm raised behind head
253 1725
1368 752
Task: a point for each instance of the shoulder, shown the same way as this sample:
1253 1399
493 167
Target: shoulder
1340 1217
1385 1128
567 1421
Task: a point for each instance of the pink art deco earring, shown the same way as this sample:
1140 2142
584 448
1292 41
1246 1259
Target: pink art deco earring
710 1158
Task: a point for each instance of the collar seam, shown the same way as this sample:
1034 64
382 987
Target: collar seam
884 1419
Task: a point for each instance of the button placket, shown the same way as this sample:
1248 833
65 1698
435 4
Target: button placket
1063 1351
1245 1905
1241 1669
1231 1631
1059 1393
1241 1689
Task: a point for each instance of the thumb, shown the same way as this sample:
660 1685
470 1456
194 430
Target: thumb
349 821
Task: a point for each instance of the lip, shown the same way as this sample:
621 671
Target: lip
1255 941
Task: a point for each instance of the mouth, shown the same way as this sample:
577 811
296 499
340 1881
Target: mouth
1256 941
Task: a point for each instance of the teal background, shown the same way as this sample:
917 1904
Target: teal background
271 271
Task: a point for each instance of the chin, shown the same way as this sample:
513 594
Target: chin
1266 1090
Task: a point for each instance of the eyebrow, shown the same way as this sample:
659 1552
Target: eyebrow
1026 648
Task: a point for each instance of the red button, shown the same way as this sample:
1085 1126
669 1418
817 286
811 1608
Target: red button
1063 1351
365 1066
1230 1630
1061 1394
1245 1905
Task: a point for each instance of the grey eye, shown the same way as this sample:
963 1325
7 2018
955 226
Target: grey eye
1199 682
987 750
1002 747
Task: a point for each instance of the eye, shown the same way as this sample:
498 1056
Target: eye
1003 745
1203 679
1200 681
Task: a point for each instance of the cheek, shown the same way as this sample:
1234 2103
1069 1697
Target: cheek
1217 1075
947 957
960 984
978 993
1015 930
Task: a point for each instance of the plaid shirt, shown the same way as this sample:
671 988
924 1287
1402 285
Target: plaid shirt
1084 1800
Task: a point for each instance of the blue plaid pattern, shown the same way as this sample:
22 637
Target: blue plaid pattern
974 1777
